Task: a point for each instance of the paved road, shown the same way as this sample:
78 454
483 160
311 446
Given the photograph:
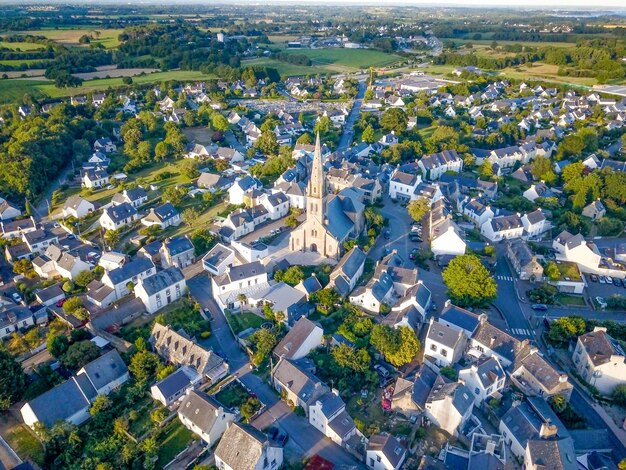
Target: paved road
507 301
231 139
346 137
305 439
40 212
580 403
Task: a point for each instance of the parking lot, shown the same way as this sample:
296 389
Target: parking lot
601 288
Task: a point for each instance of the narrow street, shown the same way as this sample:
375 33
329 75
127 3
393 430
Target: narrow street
348 133
306 438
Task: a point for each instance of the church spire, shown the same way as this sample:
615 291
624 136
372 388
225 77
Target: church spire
317 186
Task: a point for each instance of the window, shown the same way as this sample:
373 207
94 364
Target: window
371 462
378 458
444 353
433 347
477 391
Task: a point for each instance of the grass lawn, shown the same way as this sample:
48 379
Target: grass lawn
546 72
18 62
12 90
176 438
369 412
426 132
25 443
572 300
242 321
143 422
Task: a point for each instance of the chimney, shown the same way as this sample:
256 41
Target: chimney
432 320
335 392
447 303
547 430
482 318
599 328
473 368
562 378
491 447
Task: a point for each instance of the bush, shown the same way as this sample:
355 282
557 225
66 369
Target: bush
545 294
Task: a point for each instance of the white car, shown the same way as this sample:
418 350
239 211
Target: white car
17 298
601 302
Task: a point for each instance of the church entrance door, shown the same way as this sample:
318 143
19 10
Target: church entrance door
314 247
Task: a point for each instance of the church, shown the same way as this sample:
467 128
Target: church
331 220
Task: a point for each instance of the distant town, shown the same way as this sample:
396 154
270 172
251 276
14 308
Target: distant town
258 238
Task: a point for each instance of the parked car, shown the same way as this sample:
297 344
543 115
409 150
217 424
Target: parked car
540 307
381 371
387 234
593 278
616 282
207 312
601 302
413 254
601 279
61 302
17 298
272 433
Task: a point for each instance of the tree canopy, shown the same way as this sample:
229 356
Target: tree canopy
469 282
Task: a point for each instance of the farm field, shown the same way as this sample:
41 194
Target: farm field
112 72
285 69
12 89
18 62
107 37
22 46
547 72
347 60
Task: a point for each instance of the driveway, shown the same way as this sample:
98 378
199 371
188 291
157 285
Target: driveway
308 440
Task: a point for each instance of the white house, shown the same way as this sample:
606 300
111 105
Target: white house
446 239
384 452
600 360
449 405
218 259
503 227
237 280
95 178
118 279
301 339
483 378
444 344
477 212
329 416
436 164
115 217
164 216
241 188
161 289
243 447
402 185
175 386
535 223
204 416
70 401
77 206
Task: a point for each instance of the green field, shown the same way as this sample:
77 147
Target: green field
13 89
22 46
347 60
107 37
285 69
18 62
333 60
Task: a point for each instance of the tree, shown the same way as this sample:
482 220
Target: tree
162 151
191 215
541 168
394 119
57 345
174 194
486 169
263 341
325 299
368 136
100 404
143 365
305 139
622 463
79 354
418 208
189 168
399 346
13 380
84 278
469 282
558 403
22 266
72 304
566 328
552 271
267 143
293 275
249 408
323 125
219 122
357 360
202 241
112 238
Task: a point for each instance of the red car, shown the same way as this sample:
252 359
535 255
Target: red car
60 302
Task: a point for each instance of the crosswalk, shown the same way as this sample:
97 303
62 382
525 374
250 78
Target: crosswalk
501 277
522 332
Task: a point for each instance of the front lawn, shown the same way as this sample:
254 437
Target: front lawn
572 300
242 321
176 438
25 443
